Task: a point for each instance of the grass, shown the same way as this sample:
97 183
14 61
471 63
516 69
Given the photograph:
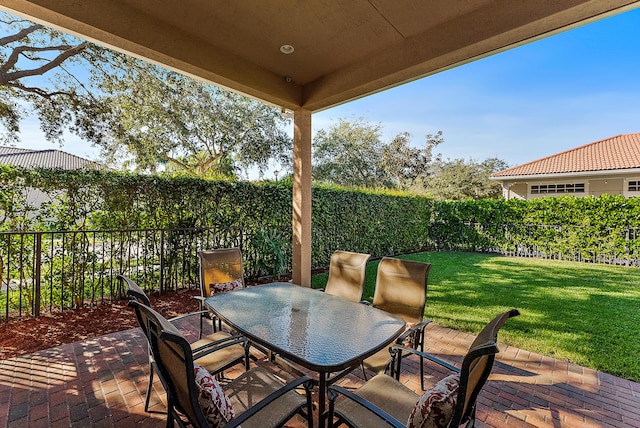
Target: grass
583 313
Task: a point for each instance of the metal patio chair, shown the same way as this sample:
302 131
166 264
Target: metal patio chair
401 289
450 403
347 275
223 350
254 399
220 272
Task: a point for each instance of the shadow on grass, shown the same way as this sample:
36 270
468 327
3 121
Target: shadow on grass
587 314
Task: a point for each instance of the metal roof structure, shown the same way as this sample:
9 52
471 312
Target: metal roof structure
52 159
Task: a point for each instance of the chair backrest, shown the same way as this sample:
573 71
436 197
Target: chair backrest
347 275
476 367
401 288
175 362
134 291
219 266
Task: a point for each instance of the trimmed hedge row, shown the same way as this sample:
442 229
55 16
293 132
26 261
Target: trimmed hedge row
379 223
375 222
602 229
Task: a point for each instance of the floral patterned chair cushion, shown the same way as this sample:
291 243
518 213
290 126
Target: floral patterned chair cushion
212 399
436 406
224 287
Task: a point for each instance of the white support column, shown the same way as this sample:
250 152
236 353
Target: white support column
301 244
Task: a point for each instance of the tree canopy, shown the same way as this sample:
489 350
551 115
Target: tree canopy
352 153
194 127
349 153
130 109
459 179
29 51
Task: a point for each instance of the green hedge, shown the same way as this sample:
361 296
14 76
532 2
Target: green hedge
374 222
601 229
379 223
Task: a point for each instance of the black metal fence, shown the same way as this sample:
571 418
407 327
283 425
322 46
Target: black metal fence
41 272
584 243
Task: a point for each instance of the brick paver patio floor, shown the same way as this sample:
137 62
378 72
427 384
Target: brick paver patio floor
102 382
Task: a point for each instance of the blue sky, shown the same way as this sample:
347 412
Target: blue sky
547 96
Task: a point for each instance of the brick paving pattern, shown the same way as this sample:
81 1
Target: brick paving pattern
102 382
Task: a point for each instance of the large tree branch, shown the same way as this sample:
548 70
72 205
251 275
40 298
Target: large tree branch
40 92
5 78
20 34
177 162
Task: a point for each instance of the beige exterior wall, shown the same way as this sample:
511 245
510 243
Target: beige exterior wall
514 190
593 186
611 186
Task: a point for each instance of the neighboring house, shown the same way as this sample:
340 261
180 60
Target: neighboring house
28 158
609 166
54 159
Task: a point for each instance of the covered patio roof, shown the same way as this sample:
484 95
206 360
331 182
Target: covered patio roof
334 51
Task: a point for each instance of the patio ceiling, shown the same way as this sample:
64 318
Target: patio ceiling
343 49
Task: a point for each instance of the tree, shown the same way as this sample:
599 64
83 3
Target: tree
28 52
353 153
349 154
458 180
161 116
132 110
407 167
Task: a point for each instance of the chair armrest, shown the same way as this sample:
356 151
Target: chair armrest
203 350
190 314
308 384
426 356
200 300
418 327
333 392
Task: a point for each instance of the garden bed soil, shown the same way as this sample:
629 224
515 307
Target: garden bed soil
28 335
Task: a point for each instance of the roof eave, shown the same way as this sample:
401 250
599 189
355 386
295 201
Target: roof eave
608 172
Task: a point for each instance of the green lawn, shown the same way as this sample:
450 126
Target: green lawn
584 313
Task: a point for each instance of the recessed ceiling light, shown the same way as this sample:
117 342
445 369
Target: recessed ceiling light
286 49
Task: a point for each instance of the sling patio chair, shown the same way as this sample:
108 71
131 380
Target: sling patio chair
347 275
223 350
220 272
401 289
450 403
254 399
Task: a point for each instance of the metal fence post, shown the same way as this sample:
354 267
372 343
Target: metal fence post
161 261
38 266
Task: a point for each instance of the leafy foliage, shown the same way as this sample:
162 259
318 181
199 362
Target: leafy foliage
349 154
352 153
459 179
407 167
29 50
156 224
603 229
162 117
133 111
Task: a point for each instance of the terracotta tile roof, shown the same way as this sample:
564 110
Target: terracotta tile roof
615 153
27 158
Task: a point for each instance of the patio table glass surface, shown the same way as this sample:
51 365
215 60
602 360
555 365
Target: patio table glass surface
321 332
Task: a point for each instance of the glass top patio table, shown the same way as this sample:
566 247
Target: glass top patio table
321 332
